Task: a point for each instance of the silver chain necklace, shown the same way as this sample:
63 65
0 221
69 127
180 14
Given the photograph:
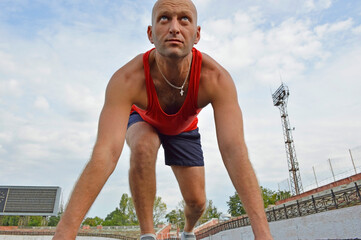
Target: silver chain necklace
170 84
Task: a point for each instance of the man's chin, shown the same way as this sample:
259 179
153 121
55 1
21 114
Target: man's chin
173 52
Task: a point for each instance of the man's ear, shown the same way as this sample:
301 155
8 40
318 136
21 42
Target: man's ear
198 36
150 34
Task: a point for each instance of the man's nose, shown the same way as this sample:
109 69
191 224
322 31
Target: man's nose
174 26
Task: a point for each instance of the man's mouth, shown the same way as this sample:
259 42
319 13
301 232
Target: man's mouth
174 40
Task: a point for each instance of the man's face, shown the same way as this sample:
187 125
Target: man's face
174 30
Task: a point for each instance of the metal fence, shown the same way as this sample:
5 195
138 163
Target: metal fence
329 170
309 205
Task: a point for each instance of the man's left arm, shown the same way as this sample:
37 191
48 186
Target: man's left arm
230 136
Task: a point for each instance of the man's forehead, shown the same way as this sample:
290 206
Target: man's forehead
180 5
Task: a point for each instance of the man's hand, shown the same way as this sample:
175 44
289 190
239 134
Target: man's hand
108 147
231 142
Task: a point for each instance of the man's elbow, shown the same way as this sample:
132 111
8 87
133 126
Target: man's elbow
232 150
107 156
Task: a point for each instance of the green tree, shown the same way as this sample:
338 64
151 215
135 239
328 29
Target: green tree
172 216
280 195
123 204
235 206
10 220
93 222
54 220
132 214
176 216
124 215
115 218
159 210
269 196
35 221
210 212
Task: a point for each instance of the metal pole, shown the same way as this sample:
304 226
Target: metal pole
298 208
353 163
289 187
284 207
314 204
334 199
314 173
333 174
274 214
358 191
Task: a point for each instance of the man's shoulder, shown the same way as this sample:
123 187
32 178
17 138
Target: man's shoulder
131 72
128 80
213 79
211 69
131 68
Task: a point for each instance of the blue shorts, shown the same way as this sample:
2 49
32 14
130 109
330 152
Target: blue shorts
184 149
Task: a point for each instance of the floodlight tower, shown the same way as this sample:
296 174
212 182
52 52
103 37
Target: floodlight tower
280 98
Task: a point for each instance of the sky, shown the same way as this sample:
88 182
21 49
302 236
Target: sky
56 58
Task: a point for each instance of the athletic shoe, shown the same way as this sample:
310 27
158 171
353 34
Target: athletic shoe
188 236
148 236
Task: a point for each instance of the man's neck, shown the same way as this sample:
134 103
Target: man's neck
174 69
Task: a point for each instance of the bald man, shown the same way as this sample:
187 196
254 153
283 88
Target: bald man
154 101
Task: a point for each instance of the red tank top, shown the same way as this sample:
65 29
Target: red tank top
186 118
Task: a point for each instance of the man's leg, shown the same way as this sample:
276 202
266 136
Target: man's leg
191 183
144 143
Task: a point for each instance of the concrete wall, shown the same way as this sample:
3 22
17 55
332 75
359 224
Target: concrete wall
337 224
12 237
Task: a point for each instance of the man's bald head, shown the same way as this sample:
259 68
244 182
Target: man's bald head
186 3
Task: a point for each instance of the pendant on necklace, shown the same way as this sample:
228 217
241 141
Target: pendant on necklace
181 92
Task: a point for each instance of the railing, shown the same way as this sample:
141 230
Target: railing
310 205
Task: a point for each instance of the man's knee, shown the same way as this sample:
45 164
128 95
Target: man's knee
144 143
144 149
196 204
143 140
142 160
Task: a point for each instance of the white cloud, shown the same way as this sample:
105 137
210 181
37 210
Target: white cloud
52 89
81 102
11 87
317 5
2 150
357 30
240 43
333 28
202 3
41 103
6 62
33 134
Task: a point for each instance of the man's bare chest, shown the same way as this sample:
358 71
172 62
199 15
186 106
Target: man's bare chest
170 99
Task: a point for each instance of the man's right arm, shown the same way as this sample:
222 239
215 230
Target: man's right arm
108 147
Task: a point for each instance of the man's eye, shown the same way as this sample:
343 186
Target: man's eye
163 18
185 18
